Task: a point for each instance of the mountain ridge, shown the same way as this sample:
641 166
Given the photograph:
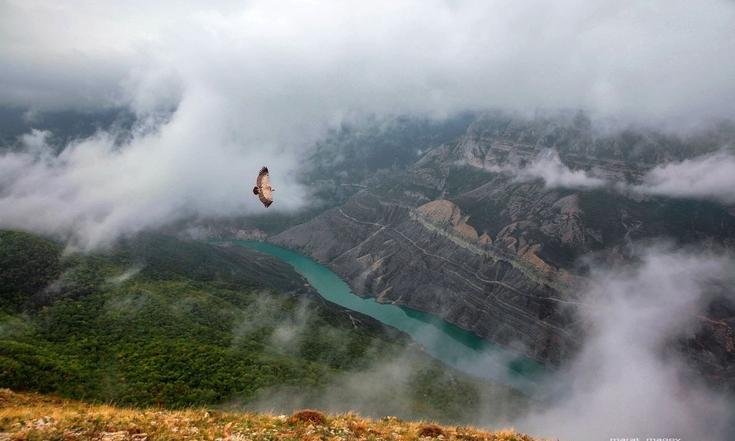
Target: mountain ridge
501 257
34 416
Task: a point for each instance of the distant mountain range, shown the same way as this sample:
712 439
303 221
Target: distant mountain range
490 221
449 228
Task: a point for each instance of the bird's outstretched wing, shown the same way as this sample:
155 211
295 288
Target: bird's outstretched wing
263 183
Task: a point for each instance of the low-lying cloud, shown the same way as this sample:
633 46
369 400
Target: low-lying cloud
627 381
326 59
549 167
95 191
256 84
709 176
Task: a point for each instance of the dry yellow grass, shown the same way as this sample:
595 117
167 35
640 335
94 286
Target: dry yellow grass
27 416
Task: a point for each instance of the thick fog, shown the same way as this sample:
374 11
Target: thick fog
548 167
255 83
628 381
657 59
709 176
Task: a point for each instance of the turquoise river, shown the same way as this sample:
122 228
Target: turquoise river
442 340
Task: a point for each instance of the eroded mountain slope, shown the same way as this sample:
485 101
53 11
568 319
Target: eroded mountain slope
457 235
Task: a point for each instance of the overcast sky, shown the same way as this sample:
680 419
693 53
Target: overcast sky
256 82
654 59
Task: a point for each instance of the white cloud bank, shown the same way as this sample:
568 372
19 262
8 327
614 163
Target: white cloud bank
709 176
255 83
94 191
627 58
624 383
548 167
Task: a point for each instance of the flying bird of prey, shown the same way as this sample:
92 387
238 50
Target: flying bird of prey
263 187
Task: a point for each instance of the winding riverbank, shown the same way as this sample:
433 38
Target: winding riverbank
446 342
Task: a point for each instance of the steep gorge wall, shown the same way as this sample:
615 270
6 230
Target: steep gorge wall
431 260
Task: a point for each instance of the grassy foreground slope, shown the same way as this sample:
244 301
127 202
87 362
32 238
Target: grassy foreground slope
29 416
158 321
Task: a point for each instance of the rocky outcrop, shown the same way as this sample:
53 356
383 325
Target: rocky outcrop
567 225
456 235
385 250
445 213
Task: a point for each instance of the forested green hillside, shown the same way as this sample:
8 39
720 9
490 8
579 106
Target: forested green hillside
173 323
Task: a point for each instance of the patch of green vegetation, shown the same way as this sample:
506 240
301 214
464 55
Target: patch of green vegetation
29 264
684 220
159 321
465 178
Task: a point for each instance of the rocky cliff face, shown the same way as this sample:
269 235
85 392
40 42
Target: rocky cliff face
429 259
455 236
